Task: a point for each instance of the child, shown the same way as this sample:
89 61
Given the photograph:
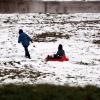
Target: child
25 40
60 53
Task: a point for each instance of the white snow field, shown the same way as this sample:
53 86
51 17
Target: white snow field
82 48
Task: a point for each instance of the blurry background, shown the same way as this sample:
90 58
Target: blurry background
49 6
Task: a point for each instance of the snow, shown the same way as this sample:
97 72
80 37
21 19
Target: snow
83 68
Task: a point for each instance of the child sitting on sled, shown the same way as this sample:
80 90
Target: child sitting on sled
60 53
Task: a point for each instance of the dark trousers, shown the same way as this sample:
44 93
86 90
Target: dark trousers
27 55
55 56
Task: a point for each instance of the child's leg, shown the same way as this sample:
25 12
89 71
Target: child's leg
49 57
57 56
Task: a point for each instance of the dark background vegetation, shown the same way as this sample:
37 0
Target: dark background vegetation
48 92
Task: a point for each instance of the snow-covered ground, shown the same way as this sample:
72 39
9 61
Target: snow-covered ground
83 68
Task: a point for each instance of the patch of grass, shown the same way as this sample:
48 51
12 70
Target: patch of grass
49 37
48 92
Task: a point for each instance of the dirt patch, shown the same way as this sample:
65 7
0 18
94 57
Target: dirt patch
49 37
96 41
19 74
85 63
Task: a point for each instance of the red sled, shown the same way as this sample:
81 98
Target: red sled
61 59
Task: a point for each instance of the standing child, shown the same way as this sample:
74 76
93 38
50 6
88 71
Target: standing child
25 40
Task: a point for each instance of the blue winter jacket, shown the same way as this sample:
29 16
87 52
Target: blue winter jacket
60 53
24 39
